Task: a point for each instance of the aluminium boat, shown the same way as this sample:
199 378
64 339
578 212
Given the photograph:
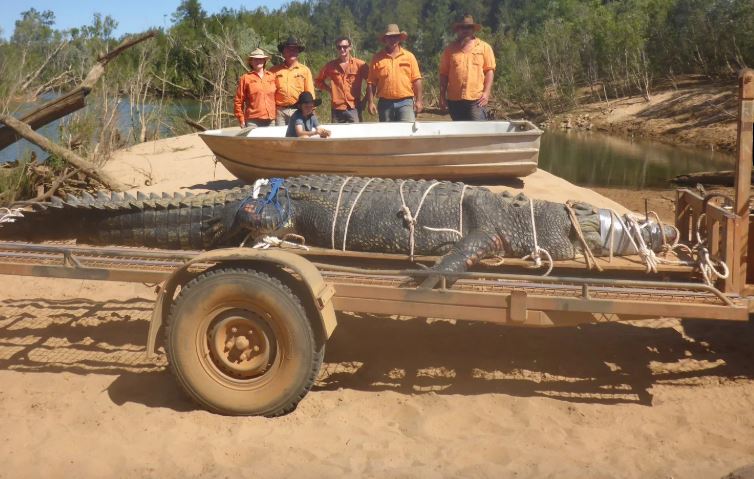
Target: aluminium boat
442 150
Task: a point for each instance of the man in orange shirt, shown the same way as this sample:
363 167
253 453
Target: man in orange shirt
254 103
394 76
291 78
467 68
347 75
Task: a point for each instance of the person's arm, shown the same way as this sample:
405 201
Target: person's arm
309 83
320 82
489 76
372 88
302 133
418 103
238 104
416 85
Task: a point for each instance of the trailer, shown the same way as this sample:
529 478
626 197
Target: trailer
244 329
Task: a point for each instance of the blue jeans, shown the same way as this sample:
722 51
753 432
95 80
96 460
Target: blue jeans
396 110
466 110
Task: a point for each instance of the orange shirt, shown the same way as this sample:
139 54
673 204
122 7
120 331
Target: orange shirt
345 84
394 76
291 82
255 97
465 70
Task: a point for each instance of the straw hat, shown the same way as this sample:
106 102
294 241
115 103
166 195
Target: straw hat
393 30
467 21
258 53
291 42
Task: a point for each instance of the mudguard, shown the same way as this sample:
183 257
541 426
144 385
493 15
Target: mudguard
321 292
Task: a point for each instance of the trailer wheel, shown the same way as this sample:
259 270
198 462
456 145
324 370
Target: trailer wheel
239 343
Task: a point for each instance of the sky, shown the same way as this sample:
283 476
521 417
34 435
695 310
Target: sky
132 15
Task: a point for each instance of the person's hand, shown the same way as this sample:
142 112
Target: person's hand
443 104
242 123
323 132
485 98
418 106
372 108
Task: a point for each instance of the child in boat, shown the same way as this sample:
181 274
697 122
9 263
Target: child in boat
304 123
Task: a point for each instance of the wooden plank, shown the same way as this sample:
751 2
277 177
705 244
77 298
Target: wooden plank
745 143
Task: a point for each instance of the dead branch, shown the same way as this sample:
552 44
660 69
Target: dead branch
34 75
195 125
85 166
73 100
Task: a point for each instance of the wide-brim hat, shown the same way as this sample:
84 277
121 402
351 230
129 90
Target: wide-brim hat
306 97
258 53
466 21
291 42
393 30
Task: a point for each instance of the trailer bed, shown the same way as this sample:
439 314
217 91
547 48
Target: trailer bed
386 285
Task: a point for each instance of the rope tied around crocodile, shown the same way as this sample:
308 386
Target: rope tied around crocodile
8 215
411 219
535 253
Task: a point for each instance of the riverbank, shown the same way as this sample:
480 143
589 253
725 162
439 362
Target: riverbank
693 112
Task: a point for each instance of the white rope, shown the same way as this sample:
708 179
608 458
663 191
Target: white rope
257 186
8 215
707 267
348 219
535 254
646 254
410 218
459 231
335 214
269 241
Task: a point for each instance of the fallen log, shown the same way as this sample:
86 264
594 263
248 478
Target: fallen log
719 178
195 125
86 167
73 100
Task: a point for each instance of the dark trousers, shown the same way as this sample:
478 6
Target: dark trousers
466 110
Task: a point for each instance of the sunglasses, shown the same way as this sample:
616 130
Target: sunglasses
342 47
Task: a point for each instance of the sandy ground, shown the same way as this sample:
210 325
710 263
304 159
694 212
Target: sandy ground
397 397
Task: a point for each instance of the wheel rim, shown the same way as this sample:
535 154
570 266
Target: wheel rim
241 344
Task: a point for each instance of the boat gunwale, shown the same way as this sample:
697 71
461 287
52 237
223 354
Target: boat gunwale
535 131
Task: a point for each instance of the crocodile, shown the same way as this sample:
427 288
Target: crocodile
460 223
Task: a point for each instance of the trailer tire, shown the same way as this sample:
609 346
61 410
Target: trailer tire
239 343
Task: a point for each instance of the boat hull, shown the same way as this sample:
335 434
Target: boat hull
438 156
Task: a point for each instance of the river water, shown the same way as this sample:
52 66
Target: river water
583 158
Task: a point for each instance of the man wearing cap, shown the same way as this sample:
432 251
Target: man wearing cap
394 76
254 103
291 78
304 123
467 68
347 75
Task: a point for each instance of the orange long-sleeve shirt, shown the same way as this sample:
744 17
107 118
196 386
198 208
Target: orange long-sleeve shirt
291 82
255 97
345 84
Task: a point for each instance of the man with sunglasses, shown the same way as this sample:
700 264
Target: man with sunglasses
347 75
467 68
394 77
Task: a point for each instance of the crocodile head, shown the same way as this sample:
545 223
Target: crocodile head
596 225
